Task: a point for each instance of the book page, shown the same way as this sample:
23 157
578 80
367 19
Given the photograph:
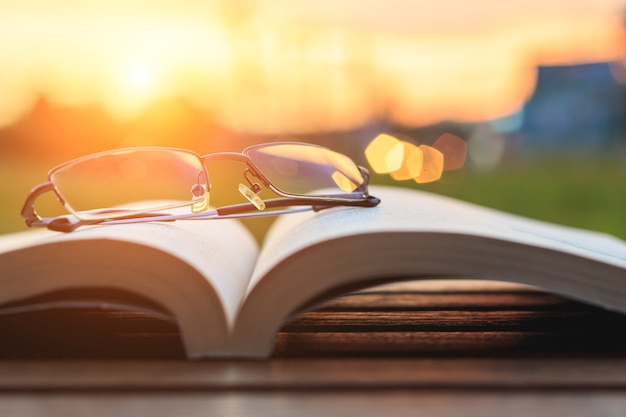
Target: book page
404 210
309 257
222 251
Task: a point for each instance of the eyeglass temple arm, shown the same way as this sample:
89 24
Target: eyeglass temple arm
276 203
33 219
69 223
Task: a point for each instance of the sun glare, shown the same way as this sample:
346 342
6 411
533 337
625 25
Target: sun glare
139 78
134 87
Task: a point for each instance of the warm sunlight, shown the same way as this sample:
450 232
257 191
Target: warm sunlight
261 68
139 78
138 85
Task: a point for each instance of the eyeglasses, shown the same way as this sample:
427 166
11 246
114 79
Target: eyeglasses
164 184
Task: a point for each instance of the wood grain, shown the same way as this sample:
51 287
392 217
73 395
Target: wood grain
406 349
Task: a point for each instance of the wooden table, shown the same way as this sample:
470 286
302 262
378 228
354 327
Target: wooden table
446 348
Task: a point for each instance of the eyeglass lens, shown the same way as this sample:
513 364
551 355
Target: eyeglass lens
139 179
306 170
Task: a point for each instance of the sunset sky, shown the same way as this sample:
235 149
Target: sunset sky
273 66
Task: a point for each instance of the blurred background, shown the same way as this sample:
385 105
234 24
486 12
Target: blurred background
536 88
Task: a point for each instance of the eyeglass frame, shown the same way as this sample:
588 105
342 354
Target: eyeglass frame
70 222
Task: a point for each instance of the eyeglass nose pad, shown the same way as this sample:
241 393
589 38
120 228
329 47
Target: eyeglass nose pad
252 196
200 198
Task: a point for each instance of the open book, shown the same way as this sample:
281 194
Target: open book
229 298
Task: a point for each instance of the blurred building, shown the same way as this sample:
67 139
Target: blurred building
575 108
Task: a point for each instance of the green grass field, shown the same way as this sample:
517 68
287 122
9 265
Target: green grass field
583 192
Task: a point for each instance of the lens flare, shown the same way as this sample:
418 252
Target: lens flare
454 149
404 160
432 169
385 154
412 163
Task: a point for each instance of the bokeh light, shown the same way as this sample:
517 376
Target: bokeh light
404 160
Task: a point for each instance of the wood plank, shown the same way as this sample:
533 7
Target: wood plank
442 344
352 321
419 301
314 404
330 374
405 349
402 320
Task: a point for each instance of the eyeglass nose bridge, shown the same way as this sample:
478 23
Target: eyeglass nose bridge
255 187
249 192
